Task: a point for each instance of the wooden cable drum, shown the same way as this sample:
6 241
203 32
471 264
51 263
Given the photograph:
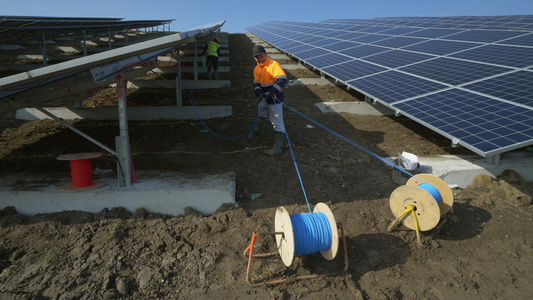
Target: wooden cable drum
81 171
428 207
447 197
322 224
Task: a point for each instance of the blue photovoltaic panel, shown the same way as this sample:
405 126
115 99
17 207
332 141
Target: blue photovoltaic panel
288 45
328 60
397 58
295 48
362 51
352 69
321 42
393 86
375 29
453 71
468 78
309 53
347 36
439 47
399 31
370 38
341 46
398 42
525 40
488 127
516 87
356 28
519 57
485 36
432 33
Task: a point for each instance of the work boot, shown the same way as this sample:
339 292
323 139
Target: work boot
278 142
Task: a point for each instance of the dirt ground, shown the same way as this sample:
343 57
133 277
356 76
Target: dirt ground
482 251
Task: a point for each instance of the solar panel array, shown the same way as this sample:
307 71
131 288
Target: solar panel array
467 78
17 29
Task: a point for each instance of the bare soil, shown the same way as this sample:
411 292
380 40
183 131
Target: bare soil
482 251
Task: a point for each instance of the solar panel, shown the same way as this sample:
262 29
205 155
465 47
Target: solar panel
326 60
484 36
438 47
519 57
395 59
516 87
453 71
468 78
488 127
362 51
352 69
524 40
397 42
393 86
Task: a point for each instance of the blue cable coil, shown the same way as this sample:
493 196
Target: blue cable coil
312 233
432 190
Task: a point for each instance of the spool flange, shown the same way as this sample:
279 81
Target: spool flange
332 251
284 241
427 210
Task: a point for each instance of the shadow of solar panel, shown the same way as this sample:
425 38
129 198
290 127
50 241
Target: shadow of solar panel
516 87
352 69
396 58
512 56
393 86
453 71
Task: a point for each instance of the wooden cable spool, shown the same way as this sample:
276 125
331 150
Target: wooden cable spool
428 211
286 241
88 183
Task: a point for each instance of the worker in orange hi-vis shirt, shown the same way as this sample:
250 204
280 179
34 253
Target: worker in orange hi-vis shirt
269 79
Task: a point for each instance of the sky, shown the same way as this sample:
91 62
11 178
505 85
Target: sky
240 14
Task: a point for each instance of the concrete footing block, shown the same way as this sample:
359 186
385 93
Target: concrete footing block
135 113
157 192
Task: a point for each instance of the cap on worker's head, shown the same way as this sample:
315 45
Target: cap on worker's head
216 40
258 49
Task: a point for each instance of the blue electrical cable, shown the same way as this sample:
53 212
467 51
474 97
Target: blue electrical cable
432 190
348 141
312 233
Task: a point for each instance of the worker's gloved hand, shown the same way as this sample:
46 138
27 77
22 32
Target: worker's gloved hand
269 97
258 94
